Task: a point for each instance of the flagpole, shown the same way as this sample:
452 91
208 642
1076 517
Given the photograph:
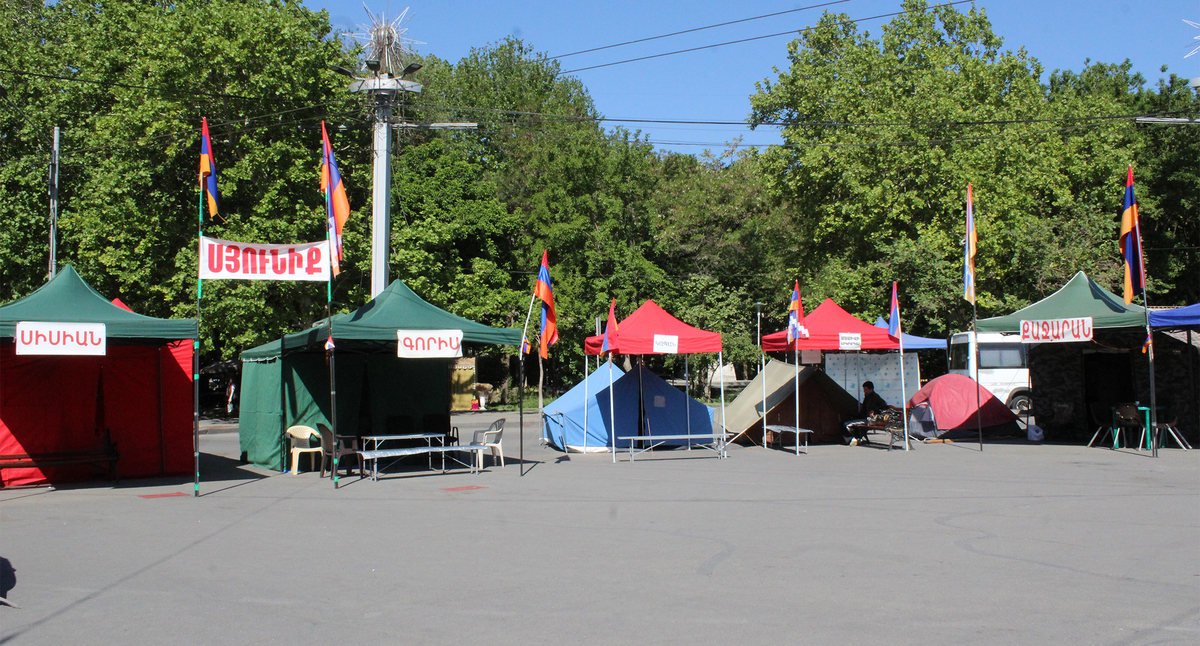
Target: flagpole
978 414
796 379
196 345
611 415
1153 430
903 389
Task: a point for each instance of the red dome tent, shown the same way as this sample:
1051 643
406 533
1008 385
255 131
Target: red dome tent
954 399
651 330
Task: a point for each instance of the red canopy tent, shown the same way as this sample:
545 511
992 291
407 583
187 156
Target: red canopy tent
651 330
826 325
649 324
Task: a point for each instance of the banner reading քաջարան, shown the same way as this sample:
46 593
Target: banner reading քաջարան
1057 330
227 260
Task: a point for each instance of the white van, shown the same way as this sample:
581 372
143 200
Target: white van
1003 366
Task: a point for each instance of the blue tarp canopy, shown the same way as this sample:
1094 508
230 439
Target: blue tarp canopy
666 411
915 342
1187 316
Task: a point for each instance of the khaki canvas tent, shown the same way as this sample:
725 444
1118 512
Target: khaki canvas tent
823 404
287 382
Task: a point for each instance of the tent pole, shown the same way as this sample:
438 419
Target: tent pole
283 452
612 418
762 370
687 404
721 367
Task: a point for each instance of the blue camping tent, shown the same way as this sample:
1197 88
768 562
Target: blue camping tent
666 411
915 342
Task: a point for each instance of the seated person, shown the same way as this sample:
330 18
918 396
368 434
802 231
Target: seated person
856 429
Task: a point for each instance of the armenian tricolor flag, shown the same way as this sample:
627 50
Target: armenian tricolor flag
609 345
894 317
337 206
969 252
795 328
208 170
1131 244
544 291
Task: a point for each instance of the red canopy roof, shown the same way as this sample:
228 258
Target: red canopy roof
825 324
636 334
954 399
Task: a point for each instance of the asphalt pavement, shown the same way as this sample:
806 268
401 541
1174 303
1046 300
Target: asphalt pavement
944 544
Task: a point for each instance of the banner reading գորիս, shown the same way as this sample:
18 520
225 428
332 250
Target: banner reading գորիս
223 259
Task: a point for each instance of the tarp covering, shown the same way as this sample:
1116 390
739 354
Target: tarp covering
825 325
67 299
1187 316
913 342
954 400
1080 297
636 334
290 387
395 308
666 411
140 392
823 404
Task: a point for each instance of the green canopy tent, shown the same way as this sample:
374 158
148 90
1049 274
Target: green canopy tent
287 382
1080 297
134 395
1076 384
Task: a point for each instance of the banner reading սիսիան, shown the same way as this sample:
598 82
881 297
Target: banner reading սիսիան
223 259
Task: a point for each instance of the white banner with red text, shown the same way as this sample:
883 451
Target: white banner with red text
1057 330
428 344
36 337
222 259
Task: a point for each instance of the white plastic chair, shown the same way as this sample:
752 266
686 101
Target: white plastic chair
492 438
299 437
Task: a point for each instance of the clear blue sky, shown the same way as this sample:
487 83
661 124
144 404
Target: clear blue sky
714 84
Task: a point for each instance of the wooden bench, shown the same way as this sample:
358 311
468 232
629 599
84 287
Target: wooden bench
67 458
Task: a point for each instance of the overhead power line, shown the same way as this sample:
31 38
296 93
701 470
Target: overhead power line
695 29
124 85
746 40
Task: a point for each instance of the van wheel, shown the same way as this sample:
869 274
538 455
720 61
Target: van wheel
1021 404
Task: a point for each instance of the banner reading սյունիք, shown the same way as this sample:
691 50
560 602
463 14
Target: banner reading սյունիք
223 259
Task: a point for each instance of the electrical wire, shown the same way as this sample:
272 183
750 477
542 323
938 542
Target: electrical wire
124 85
746 40
695 29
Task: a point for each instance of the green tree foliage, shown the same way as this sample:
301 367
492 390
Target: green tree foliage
883 136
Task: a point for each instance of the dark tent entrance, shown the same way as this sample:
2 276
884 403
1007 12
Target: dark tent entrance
377 393
288 382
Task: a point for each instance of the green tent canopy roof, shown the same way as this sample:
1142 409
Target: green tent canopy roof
68 299
396 308
1080 297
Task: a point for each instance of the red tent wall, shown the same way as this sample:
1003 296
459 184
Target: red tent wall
51 404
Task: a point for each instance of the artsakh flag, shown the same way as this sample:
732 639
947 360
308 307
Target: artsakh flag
795 328
969 255
337 206
208 170
1131 244
894 317
609 345
543 290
